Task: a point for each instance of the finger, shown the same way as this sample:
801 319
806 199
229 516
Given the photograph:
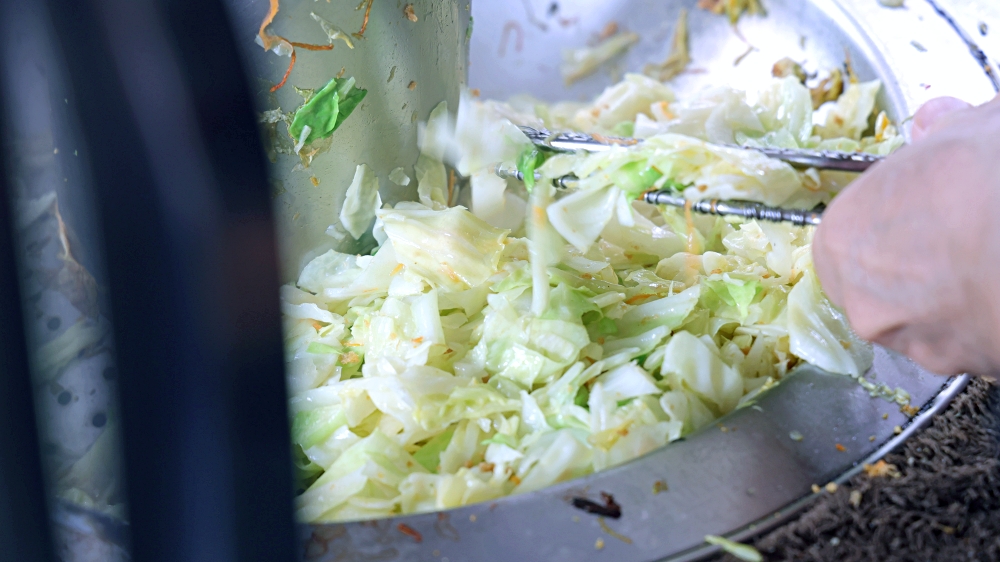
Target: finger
827 261
933 113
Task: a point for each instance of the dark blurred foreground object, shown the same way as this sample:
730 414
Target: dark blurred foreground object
24 533
168 135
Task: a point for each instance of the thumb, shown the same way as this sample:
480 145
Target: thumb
933 113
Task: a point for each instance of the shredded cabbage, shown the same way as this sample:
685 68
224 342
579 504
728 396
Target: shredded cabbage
543 336
582 62
361 202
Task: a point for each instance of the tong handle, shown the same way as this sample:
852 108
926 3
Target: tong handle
819 159
745 209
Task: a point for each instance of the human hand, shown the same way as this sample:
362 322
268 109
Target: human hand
911 250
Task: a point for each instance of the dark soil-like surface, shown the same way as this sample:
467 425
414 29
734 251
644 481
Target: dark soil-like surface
943 503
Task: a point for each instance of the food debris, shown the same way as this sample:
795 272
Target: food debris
831 488
599 543
733 8
282 46
284 78
840 447
816 489
885 416
409 13
608 509
332 32
610 29
410 532
983 28
855 498
849 68
744 552
881 469
582 62
472 518
871 439
739 59
660 486
918 46
412 85
897 430
679 57
612 532
315 181
891 3
909 410
364 24
828 89
795 436
508 28
788 67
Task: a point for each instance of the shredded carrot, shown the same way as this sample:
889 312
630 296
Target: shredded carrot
840 447
353 344
311 47
397 269
451 184
269 40
284 78
364 24
316 325
410 532
637 298
418 341
515 479
689 220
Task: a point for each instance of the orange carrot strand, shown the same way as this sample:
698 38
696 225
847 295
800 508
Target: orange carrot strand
284 79
267 39
310 47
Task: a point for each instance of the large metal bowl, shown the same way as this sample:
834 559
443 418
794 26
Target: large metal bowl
751 475
734 481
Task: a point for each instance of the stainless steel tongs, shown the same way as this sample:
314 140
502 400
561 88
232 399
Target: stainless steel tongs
823 160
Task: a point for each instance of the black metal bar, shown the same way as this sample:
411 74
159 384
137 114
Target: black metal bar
193 280
24 530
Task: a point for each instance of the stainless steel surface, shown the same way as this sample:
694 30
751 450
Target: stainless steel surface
407 67
819 159
743 209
